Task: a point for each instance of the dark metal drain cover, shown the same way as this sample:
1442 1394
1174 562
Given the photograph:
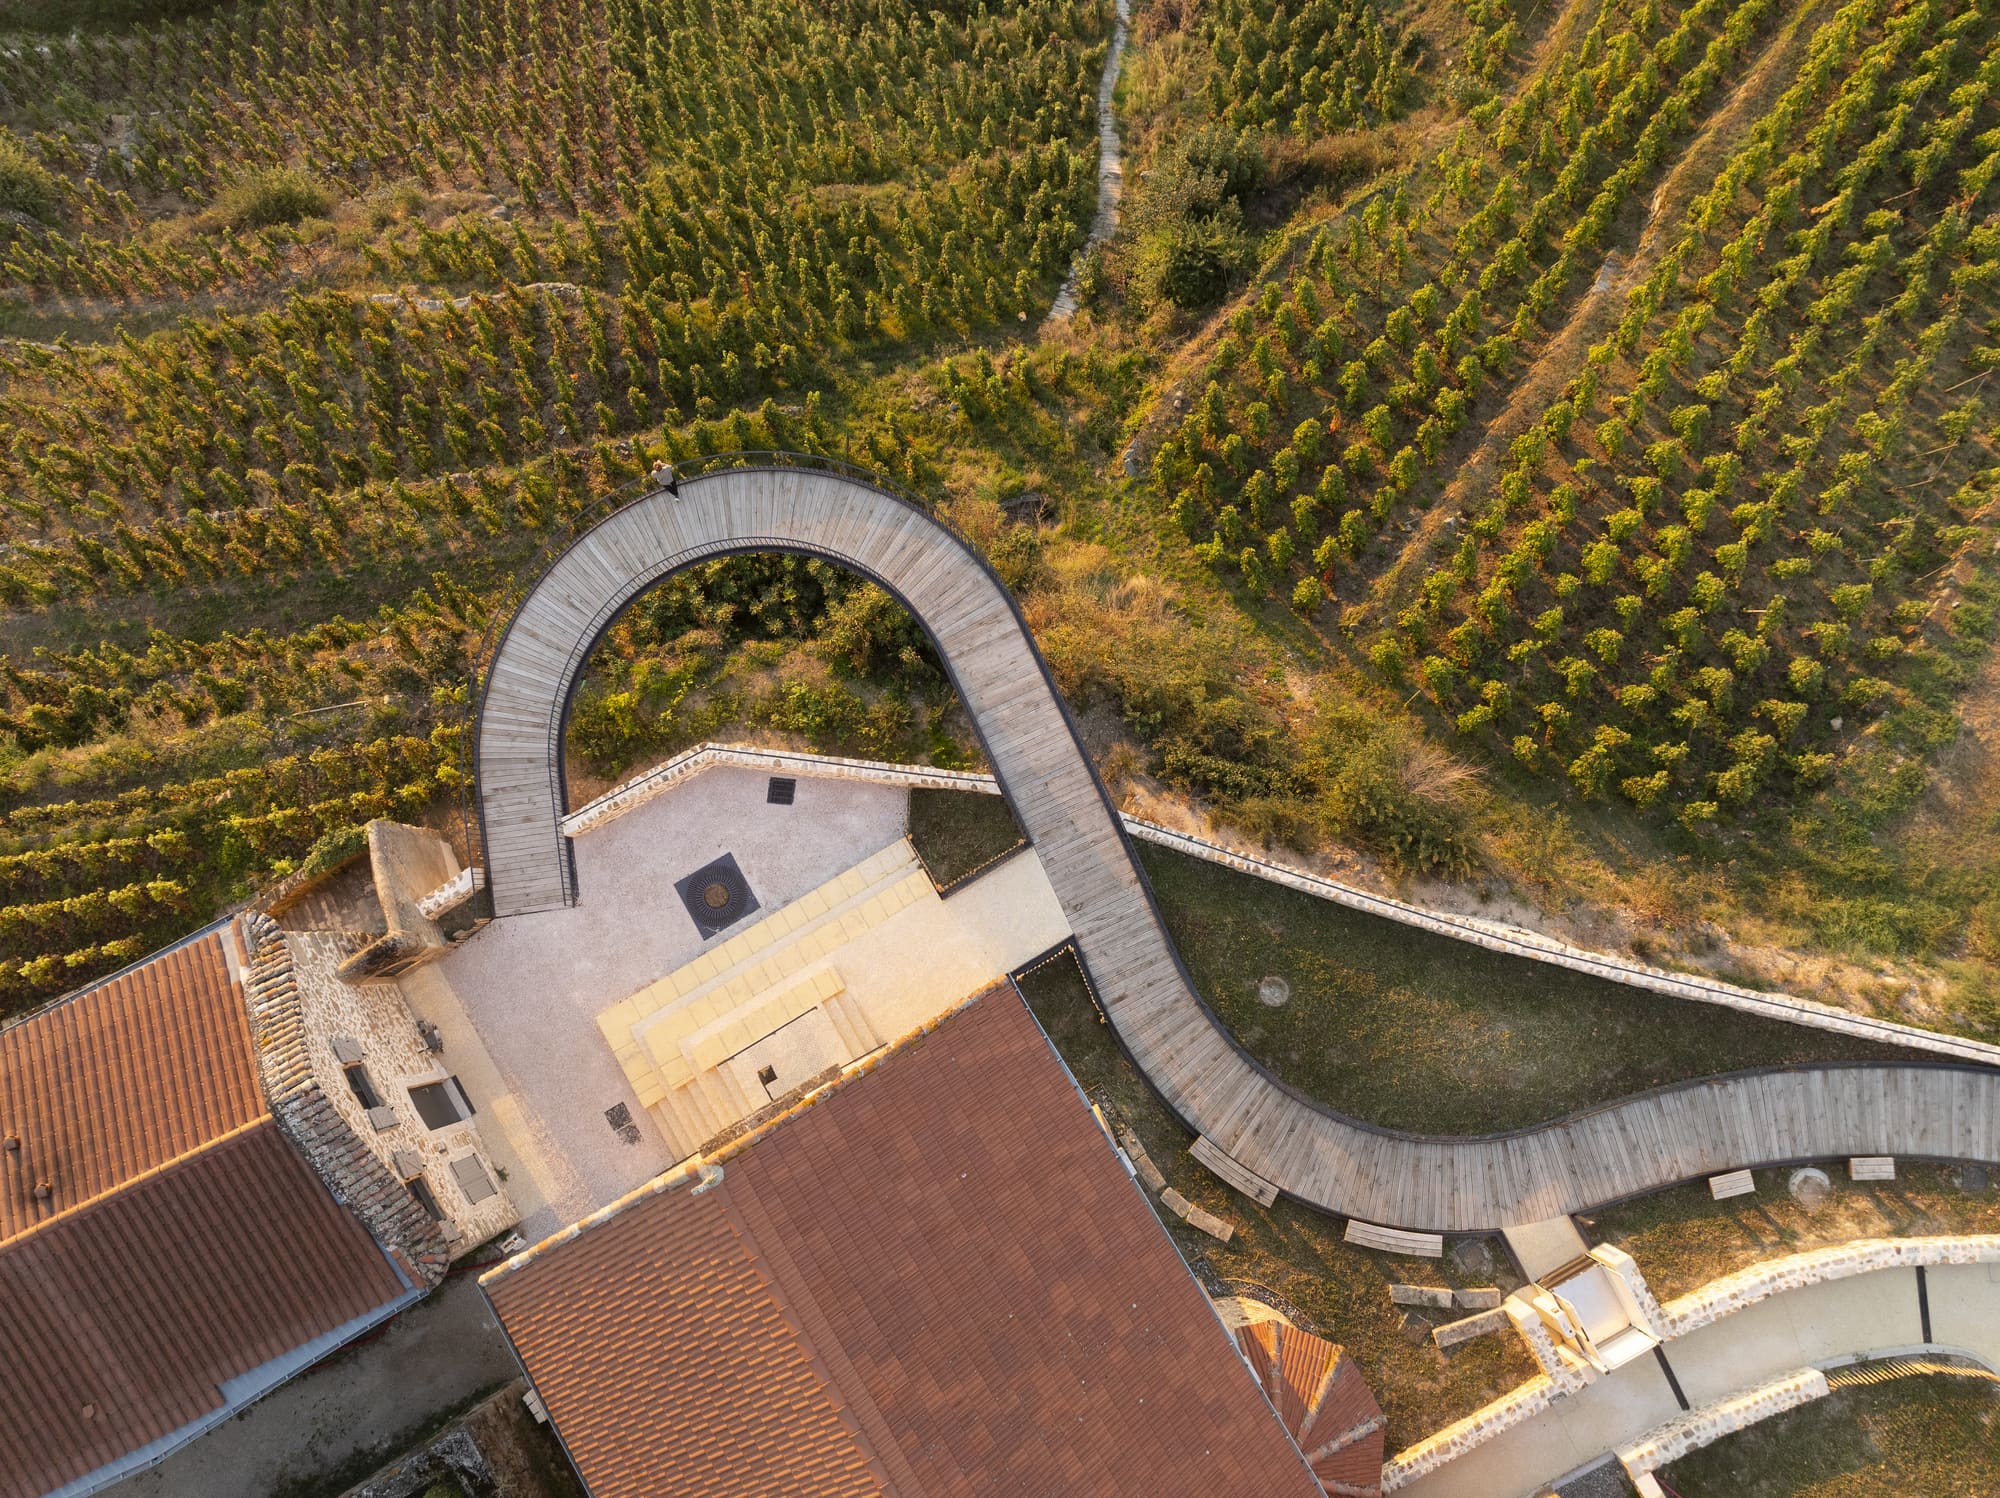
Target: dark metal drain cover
716 895
782 790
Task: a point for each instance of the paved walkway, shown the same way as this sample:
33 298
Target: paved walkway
432 1358
1310 1152
1825 1323
518 1003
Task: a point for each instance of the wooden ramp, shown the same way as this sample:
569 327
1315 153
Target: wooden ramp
1307 1151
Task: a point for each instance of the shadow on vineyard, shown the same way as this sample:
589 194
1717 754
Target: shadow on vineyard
759 646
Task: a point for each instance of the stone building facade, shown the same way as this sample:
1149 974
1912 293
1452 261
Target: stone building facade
386 1078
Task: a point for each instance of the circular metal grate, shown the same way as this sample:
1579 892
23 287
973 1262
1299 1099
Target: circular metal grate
717 895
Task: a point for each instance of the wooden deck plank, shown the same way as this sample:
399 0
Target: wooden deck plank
1264 1131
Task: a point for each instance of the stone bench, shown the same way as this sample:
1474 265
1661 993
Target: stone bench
1197 1217
1733 1183
1394 1240
1454 1332
1872 1168
1233 1171
1436 1298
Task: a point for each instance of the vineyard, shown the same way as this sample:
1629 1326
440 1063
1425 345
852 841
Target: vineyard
1486 408
328 303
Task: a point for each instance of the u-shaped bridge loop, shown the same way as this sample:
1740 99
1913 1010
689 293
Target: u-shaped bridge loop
1320 1157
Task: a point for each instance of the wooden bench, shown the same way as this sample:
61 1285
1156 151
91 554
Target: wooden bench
1238 1175
1393 1240
1872 1168
1733 1183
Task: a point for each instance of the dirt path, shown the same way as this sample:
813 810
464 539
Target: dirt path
434 1356
1191 357
1110 169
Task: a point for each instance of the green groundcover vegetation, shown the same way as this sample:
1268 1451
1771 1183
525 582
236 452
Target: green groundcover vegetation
1548 447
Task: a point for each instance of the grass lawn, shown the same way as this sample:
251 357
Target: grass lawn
1341 1291
956 832
1414 1031
1683 1239
1936 1437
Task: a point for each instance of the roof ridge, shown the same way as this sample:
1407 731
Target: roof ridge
792 1293
151 1172
358 1180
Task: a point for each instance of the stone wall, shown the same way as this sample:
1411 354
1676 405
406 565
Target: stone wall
1698 1428
640 789
1516 941
1482 1425
375 1018
1745 1288
356 1175
1513 940
1563 1373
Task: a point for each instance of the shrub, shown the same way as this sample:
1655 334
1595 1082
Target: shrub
1403 798
26 186
271 196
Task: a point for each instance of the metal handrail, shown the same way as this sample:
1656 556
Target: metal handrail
586 519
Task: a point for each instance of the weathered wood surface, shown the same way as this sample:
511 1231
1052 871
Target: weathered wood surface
1395 1241
1734 1183
1252 1185
1307 1151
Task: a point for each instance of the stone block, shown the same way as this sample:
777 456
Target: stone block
1454 1332
1478 1298
1420 1295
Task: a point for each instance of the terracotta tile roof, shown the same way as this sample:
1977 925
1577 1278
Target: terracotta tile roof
1324 1401
187 1244
940 1270
132 1311
123 1078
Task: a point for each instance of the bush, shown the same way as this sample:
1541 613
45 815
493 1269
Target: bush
1402 797
274 195
1188 219
26 186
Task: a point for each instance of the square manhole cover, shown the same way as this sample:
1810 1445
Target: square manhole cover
716 895
782 791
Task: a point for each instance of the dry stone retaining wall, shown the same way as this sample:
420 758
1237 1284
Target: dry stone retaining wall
1745 1288
1511 940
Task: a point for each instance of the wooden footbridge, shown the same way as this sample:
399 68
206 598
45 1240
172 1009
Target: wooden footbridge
1272 1134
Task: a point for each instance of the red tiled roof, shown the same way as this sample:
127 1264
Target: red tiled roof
1324 1401
122 1079
187 1242
940 1271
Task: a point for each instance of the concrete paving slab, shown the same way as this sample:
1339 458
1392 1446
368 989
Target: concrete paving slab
1569 1434
518 1003
1798 1329
1542 1246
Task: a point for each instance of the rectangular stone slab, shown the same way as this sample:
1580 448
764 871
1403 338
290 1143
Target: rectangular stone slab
1455 1332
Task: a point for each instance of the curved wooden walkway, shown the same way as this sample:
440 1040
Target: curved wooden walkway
1308 1151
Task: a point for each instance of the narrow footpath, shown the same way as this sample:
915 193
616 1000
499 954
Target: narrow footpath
1833 1321
1110 171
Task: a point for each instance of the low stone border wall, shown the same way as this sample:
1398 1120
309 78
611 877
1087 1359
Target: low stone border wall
640 789
1513 941
1745 1288
1518 942
1563 1374
1710 1423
